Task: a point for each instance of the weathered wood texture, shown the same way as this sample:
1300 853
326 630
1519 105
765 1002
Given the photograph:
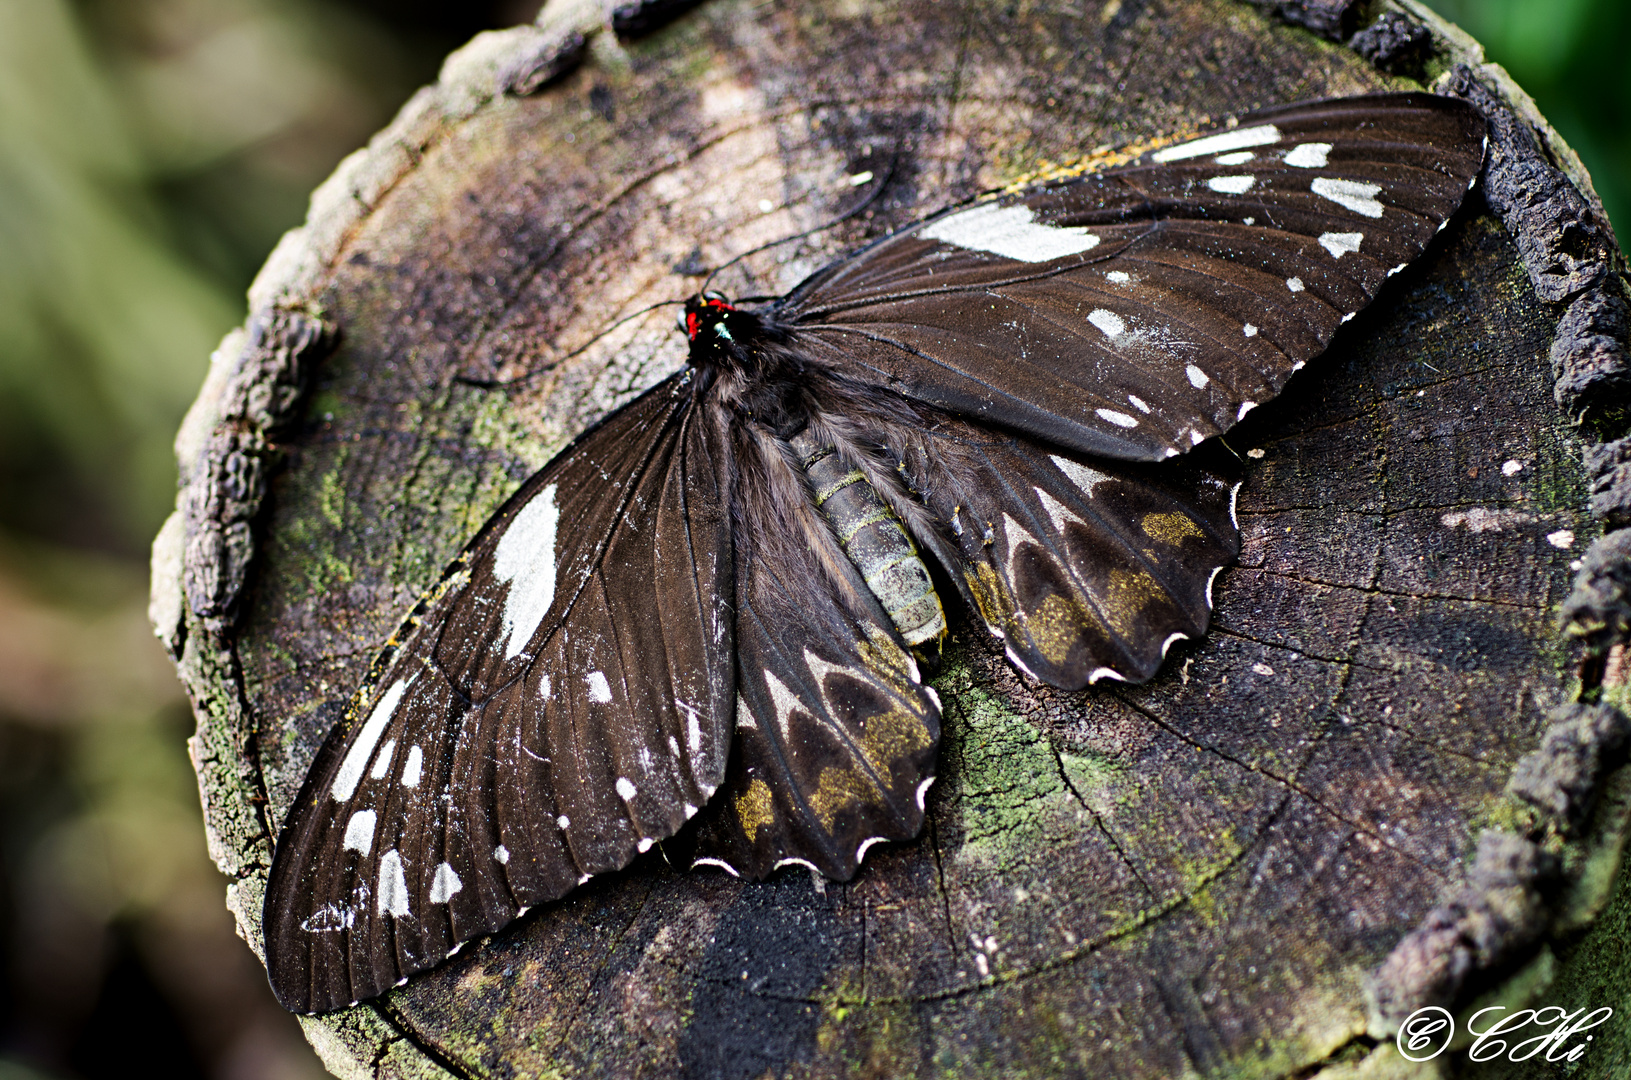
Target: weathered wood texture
1206 875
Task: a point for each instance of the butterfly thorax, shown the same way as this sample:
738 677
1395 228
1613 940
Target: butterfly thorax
743 360
747 363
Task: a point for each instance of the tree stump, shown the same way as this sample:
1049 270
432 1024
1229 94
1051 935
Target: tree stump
1306 827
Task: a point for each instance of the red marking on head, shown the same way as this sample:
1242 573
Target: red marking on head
691 325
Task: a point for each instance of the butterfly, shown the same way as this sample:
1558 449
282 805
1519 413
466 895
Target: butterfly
712 613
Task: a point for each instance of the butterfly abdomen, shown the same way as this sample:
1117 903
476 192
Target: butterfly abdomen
874 540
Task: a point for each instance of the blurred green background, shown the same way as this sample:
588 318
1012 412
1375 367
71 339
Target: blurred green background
151 152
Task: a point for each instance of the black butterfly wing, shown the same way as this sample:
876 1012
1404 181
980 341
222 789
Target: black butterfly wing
561 701
1085 568
1135 312
836 734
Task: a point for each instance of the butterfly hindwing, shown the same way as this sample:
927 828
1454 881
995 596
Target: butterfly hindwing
1135 312
836 733
1085 568
563 700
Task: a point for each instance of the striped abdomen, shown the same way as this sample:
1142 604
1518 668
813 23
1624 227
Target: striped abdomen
874 540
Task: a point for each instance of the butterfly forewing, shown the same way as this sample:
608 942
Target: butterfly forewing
564 700
1136 312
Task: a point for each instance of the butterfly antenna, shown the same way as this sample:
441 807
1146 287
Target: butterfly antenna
500 384
872 197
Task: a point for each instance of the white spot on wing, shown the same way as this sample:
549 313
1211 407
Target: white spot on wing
563 822
525 559
1120 419
783 701
359 832
1138 403
721 863
329 918
1221 143
923 790
1295 284
1055 510
1245 407
1118 277
1251 331
600 691
1108 321
393 886
1231 185
1309 155
644 845
626 790
1105 673
1080 475
1197 378
414 769
1349 194
382 763
444 884
793 860
1013 658
1340 243
1010 231
1235 159
356 759
1216 570
1172 639
501 854
860 852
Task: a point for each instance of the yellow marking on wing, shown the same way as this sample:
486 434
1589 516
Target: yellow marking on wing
755 809
890 737
1099 159
840 788
1173 528
1054 628
986 588
1127 596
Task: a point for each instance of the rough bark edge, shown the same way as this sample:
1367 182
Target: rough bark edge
227 449
257 381
1523 883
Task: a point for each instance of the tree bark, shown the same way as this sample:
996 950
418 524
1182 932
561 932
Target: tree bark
1257 864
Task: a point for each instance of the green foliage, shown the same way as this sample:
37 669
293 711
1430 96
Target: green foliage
1571 55
103 332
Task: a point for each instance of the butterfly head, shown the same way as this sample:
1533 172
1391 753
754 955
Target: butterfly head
720 333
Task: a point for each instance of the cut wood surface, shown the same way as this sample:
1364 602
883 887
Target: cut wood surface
1233 870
